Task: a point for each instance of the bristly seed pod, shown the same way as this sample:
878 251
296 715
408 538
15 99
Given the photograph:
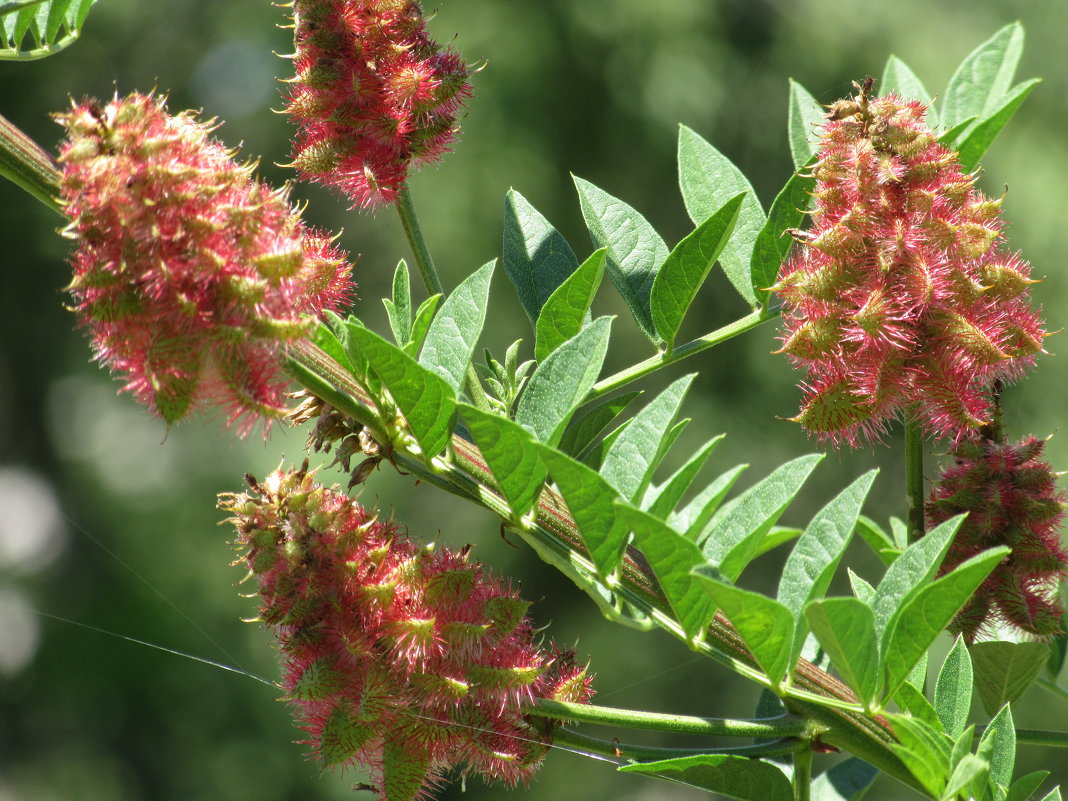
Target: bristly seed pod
1011 498
405 659
190 275
373 95
898 296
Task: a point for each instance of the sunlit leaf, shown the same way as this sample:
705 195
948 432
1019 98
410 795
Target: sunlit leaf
805 116
902 81
568 307
509 451
662 499
953 690
731 776
450 340
845 627
50 26
984 77
399 307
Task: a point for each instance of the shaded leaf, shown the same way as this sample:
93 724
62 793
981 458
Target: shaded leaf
878 540
708 179
846 781
1023 787
805 117
1004 670
560 383
672 557
913 701
424 316
662 499
687 266
635 250
450 340
773 243
739 527
924 750
568 307
766 625
953 690
629 463
902 81
592 423
509 451
536 257
399 308
695 515
731 776
845 627
425 399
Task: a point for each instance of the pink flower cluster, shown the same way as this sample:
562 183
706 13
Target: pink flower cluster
404 659
373 95
189 274
1011 499
898 296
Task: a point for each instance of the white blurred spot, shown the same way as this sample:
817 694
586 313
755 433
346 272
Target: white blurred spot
19 633
32 531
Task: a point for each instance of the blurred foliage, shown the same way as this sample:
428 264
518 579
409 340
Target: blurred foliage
595 88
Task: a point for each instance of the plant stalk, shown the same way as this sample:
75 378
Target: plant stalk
627 752
802 779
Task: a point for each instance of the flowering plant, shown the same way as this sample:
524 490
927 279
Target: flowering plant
410 662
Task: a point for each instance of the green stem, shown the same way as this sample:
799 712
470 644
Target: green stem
1058 739
654 363
23 162
914 475
802 779
780 726
423 260
432 281
628 752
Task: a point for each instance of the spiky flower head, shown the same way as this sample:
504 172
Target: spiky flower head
373 95
1011 498
407 660
899 295
189 273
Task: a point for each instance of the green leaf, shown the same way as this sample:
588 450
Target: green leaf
732 776
591 424
568 307
845 627
911 700
773 243
924 615
910 572
1053 795
591 501
425 399
846 781
805 116
739 527
902 81
766 625
536 257
878 540
811 564
511 456
708 179
629 463
924 750
984 77
662 499
52 25
399 308
953 690
1001 733
1004 670
862 590
1023 787
975 143
450 341
672 557
966 771
778 535
949 138
635 250
560 383
687 267
695 515
424 316
326 336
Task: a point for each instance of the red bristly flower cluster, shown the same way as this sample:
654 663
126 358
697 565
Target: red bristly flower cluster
898 297
1011 499
373 95
405 659
189 274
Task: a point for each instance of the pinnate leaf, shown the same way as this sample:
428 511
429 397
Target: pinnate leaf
708 179
773 243
731 776
1001 735
592 423
568 308
846 781
975 142
662 499
635 250
399 307
51 25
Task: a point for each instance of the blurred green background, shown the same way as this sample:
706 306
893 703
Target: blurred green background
108 520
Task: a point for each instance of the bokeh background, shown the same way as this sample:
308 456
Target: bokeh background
107 520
